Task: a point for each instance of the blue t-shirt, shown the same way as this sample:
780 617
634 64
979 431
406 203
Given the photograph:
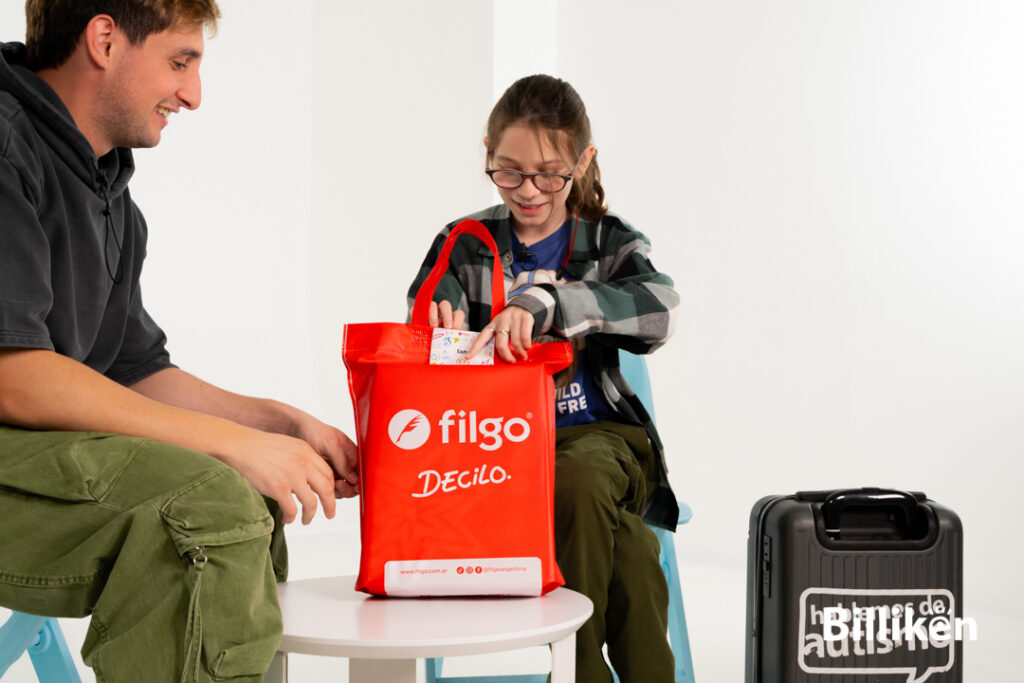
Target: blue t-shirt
581 401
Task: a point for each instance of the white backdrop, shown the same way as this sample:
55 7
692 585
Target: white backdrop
834 186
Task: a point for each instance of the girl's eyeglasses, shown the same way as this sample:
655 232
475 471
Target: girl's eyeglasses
510 180
545 182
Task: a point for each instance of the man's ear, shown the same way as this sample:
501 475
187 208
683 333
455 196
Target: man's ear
99 37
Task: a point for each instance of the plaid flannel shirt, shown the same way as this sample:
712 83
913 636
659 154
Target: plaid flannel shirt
616 299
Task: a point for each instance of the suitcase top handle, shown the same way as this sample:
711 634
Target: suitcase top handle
911 520
421 308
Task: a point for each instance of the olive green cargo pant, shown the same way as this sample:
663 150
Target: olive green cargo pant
169 550
606 551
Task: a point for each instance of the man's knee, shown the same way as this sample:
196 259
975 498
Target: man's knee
219 507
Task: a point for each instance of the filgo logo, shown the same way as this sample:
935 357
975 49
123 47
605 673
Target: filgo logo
409 429
515 429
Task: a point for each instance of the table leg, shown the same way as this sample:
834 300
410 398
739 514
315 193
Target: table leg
278 671
379 670
563 660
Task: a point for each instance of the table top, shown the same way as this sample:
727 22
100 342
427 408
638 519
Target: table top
329 617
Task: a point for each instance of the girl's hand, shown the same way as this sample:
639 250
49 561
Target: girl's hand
512 330
443 316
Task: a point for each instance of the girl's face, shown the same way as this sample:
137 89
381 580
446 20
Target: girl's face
535 214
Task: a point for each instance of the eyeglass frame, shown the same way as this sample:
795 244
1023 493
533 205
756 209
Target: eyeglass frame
523 176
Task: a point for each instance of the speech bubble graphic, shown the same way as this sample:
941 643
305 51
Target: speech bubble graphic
899 632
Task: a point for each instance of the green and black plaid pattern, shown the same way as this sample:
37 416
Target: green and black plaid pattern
617 300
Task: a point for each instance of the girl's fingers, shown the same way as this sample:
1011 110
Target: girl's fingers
520 331
442 315
501 345
512 331
445 309
478 343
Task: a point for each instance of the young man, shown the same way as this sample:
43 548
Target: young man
129 489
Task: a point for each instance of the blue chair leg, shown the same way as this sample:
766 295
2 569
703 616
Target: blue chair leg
17 635
42 638
51 658
677 633
434 665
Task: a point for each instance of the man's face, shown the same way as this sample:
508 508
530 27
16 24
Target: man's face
148 83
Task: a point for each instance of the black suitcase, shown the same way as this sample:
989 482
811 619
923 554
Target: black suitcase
854 586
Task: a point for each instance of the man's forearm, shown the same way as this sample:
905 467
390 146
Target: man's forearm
44 390
284 453
176 387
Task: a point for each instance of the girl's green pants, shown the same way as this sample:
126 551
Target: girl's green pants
173 554
603 471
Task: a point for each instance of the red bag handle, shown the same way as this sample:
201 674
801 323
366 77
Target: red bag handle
421 309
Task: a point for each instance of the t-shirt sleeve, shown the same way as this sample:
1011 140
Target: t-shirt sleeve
143 351
25 293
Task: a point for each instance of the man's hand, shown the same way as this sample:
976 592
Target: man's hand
337 450
281 450
286 468
283 468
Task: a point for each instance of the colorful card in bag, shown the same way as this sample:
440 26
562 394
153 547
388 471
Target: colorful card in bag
456 462
451 347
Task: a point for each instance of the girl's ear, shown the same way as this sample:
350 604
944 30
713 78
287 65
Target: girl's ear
588 156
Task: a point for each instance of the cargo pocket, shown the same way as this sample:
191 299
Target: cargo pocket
636 494
639 463
222 530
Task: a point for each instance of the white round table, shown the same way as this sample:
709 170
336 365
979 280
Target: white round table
383 637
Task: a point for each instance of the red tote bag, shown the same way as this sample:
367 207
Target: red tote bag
456 462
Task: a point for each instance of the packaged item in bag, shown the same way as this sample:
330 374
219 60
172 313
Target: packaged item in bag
451 347
456 461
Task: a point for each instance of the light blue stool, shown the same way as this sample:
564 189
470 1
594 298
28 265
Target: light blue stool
634 369
46 646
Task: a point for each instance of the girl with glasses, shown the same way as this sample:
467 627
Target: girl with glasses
575 271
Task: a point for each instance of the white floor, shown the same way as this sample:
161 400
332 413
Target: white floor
714 598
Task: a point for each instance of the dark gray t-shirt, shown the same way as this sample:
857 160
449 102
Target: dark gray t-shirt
72 241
